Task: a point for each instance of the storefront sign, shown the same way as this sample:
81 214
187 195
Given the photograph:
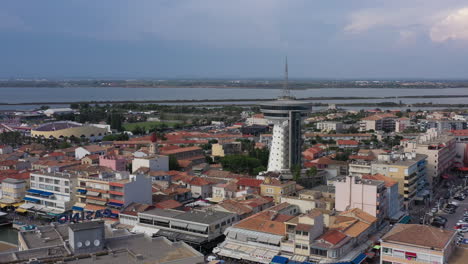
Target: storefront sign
81 216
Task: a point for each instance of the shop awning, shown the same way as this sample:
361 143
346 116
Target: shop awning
31 199
180 225
21 210
115 204
34 191
410 255
359 259
279 260
77 208
17 204
81 191
46 194
26 206
91 193
198 228
3 205
91 201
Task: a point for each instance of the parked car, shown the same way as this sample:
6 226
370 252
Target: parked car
437 224
459 198
440 219
449 211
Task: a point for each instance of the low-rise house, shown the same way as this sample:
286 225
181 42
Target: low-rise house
90 159
249 184
227 148
5 149
200 187
332 167
275 188
410 243
113 162
347 144
223 191
15 165
81 152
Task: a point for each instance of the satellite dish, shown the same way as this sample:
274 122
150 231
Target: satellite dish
87 243
97 242
79 244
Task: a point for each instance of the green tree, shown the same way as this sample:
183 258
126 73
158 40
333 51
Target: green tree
296 171
311 172
173 163
257 170
240 163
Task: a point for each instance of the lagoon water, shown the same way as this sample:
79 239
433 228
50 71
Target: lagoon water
71 94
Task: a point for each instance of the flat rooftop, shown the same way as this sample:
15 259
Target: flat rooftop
142 249
196 216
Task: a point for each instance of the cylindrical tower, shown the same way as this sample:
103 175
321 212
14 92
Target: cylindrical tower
286 113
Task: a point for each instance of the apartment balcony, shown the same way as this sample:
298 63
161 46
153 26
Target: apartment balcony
113 193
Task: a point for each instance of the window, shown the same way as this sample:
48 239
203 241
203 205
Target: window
33 184
56 181
32 178
399 253
41 179
67 190
57 189
304 233
42 186
66 183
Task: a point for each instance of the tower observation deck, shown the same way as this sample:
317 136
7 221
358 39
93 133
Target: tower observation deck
287 115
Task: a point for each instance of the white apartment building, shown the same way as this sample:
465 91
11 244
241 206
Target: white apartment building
51 192
359 168
329 126
439 149
154 163
367 195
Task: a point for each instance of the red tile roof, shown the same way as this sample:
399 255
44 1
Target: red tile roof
168 204
254 183
333 236
197 181
347 142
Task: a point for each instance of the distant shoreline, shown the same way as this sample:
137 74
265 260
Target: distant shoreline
233 100
231 87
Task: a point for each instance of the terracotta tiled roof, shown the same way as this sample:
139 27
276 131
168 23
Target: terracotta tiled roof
333 237
389 182
179 150
347 142
360 214
254 183
198 181
356 229
168 204
419 235
261 223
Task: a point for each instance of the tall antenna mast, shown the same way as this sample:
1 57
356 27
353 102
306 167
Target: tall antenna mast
286 91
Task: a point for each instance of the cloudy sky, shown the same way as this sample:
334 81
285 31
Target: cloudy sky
234 39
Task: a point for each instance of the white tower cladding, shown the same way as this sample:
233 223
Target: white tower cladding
286 147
